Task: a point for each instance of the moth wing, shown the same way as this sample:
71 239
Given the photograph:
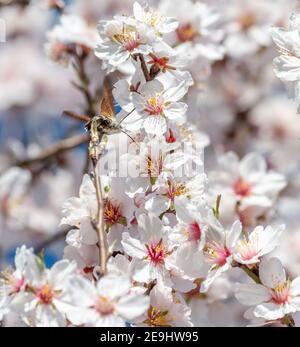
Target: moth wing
107 105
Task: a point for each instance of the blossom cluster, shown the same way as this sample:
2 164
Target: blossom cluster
177 234
287 65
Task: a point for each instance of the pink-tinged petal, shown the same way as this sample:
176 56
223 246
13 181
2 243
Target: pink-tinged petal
149 89
269 239
176 111
176 93
87 189
271 184
157 204
60 272
233 235
212 275
271 272
142 271
295 287
155 125
132 306
295 303
255 200
253 164
114 237
113 286
82 292
133 247
47 316
110 321
287 68
285 39
251 294
269 311
88 233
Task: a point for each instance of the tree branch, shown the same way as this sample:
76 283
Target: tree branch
99 225
144 67
61 146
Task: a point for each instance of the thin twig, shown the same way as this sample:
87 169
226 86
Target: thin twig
83 87
251 274
77 116
144 67
58 147
95 152
100 227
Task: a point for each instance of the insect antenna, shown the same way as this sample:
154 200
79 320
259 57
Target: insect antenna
126 116
124 132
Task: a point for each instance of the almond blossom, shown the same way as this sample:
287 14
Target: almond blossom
167 191
108 303
256 244
165 310
247 186
152 17
14 282
189 193
198 26
73 33
287 64
275 297
151 251
158 106
219 249
119 40
46 298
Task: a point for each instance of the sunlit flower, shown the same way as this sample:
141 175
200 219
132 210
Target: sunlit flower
108 303
256 244
219 248
276 297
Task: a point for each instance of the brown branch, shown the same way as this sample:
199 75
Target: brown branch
77 116
95 152
61 146
99 225
144 67
83 87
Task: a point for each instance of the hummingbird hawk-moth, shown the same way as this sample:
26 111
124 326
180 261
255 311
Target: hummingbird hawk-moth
105 122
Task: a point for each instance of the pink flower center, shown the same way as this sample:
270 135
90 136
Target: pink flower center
186 32
156 253
242 187
170 138
161 62
104 306
45 294
128 37
280 293
194 231
19 284
174 189
155 106
132 44
157 318
217 254
246 20
247 249
15 284
112 213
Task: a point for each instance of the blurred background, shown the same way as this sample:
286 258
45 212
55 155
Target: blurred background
237 104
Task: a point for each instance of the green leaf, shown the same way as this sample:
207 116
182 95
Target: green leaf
216 209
